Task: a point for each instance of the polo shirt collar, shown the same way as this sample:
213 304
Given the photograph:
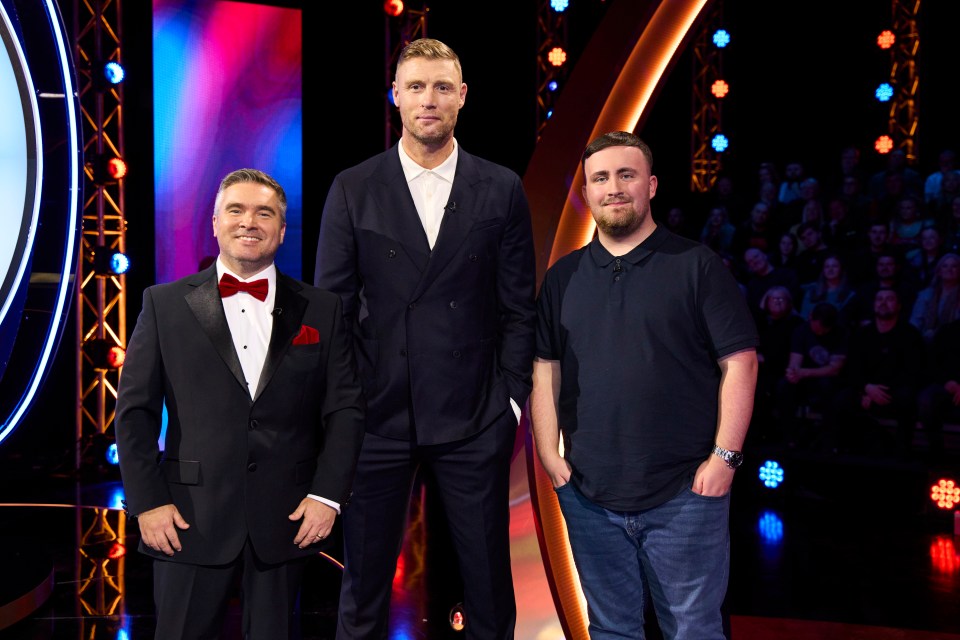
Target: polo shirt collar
446 170
603 258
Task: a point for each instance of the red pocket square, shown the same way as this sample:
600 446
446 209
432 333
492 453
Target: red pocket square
307 335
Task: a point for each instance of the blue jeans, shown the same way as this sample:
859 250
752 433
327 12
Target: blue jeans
677 552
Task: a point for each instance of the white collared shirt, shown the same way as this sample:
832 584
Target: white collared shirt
251 323
430 189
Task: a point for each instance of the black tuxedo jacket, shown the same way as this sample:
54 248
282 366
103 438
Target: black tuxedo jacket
444 338
232 465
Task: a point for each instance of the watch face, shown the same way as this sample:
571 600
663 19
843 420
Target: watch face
735 459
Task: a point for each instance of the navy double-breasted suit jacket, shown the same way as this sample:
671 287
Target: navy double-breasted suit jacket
233 465
444 337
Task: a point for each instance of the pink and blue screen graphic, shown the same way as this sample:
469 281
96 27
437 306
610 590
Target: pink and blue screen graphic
227 95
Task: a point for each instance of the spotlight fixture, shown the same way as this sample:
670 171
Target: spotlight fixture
393 8
104 355
106 168
109 262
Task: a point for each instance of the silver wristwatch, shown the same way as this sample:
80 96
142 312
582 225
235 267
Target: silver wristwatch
733 458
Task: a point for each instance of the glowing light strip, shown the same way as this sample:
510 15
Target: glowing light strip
32 228
65 274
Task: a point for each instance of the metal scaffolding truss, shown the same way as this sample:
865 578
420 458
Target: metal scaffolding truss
551 33
398 32
101 303
905 77
706 163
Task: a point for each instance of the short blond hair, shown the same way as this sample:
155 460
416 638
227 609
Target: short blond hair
431 50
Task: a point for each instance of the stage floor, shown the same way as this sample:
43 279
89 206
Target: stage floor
845 548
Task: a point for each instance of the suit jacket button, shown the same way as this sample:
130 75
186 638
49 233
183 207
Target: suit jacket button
391 254
254 424
474 257
412 305
252 466
453 304
456 354
403 353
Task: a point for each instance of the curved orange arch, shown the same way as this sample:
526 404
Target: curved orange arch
615 80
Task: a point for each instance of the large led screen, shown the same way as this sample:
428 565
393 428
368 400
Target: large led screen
227 95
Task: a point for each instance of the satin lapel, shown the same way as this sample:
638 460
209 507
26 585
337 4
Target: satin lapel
205 303
286 323
469 195
389 189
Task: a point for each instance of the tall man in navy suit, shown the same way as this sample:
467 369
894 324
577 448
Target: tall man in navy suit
265 425
431 250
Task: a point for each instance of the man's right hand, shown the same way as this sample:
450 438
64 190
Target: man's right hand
557 468
158 528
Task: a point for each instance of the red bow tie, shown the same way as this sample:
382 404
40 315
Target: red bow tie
230 285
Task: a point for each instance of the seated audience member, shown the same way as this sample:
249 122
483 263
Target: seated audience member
924 258
775 326
832 286
951 228
818 349
933 184
939 303
940 401
876 242
813 252
755 232
840 231
786 252
678 223
909 220
888 274
762 275
881 378
718 231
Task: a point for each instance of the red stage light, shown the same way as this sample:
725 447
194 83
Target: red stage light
883 144
117 551
393 8
946 493
720 89
886 39
557 56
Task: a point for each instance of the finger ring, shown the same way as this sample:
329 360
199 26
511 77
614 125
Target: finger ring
320 537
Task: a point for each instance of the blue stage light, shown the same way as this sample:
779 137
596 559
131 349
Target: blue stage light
771 474
114 72
720 143
112 456
884 92
559 5
552 85
119 263
721 38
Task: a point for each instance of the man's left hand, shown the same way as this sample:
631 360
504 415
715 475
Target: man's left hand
317 522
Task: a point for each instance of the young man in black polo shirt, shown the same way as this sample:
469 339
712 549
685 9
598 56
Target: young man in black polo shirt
646 363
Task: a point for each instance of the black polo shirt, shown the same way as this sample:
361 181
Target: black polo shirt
638 338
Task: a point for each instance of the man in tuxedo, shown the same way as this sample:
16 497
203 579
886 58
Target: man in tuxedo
431 249
265 425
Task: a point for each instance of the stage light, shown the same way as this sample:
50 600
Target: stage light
109 262
552 85
557 56
106 168
771 474
106 74
884 92
883 145
104 355
720 143
113 72
559 5
720 89
721 38
886 39
112 456
944 556
945 494
393 8
390 97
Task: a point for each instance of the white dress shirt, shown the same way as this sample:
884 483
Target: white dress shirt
251 324
430 189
